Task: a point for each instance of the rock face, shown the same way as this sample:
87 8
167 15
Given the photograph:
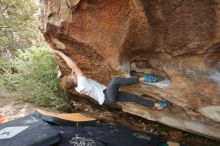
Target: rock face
176 39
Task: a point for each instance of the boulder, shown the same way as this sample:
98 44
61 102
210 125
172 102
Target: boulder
178 40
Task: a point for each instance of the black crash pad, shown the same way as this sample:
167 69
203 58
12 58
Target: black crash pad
91 134
34 131
28 131
104 136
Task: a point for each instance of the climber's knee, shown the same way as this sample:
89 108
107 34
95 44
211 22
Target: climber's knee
115 80
109 101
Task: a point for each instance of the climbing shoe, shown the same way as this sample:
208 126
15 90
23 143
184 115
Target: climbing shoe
164 104
172 144
151 78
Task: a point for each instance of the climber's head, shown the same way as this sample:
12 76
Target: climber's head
69 81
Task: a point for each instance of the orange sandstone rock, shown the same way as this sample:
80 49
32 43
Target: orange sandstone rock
176 39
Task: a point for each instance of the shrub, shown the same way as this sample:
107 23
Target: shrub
33 73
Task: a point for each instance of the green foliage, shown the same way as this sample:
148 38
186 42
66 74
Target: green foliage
29 70
33 73
18 28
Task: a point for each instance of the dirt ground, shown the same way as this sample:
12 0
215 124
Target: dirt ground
12 110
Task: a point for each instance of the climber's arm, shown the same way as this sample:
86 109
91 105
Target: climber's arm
69 62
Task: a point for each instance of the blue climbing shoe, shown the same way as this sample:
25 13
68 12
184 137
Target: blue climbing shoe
172 144
151 78
164 104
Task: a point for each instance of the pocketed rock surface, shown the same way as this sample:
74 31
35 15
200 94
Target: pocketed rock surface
178 40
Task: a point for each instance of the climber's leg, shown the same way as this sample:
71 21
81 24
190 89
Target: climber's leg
113 88
127 97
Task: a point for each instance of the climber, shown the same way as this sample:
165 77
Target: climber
101 93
